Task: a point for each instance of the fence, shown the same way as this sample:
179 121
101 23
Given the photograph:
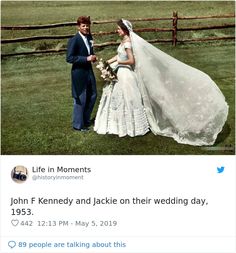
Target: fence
174 29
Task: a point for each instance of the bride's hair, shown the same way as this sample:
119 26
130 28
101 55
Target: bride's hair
123 26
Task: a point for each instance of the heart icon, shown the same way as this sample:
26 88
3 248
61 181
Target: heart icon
11 244
15 222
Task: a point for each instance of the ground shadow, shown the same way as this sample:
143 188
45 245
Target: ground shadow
223 134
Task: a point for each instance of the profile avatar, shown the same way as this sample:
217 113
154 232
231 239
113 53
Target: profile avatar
19 174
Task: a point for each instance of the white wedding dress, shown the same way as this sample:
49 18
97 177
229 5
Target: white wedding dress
178 100
121 110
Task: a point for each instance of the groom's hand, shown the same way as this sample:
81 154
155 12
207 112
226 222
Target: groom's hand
92 58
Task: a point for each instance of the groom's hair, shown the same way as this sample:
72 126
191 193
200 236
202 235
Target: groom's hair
83 20
123 26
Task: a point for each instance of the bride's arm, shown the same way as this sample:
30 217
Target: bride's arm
130 60
113 59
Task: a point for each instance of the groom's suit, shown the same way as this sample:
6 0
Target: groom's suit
83 81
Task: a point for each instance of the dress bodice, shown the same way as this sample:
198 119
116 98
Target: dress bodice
122 55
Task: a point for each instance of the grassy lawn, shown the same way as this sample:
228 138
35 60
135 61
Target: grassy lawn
36 95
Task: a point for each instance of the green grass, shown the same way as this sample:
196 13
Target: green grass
37 12
36 95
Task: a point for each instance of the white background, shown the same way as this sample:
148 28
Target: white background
144 228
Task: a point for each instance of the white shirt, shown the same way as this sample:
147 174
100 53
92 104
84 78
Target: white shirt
85 42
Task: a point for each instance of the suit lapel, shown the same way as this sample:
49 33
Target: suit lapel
82 41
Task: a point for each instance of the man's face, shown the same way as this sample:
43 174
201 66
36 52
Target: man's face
84 28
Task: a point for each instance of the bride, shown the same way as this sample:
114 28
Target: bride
156 91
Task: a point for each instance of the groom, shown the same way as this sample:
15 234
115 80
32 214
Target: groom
80 54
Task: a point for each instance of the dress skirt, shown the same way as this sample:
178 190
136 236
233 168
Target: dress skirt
121 110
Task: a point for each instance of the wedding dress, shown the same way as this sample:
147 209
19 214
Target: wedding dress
121 110
179 101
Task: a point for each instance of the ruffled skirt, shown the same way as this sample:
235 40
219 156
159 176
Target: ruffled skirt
121 110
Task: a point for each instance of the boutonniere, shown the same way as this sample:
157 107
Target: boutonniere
91 42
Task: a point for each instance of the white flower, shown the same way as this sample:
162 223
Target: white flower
106 71
91 42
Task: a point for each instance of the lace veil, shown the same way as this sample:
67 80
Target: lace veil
180 101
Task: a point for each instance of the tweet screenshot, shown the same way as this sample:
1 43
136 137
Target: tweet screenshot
126 204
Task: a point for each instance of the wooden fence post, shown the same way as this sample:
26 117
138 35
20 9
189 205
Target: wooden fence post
174 32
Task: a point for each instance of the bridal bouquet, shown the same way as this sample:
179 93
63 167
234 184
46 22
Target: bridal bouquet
106 70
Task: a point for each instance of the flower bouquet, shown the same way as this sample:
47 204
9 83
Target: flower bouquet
107 71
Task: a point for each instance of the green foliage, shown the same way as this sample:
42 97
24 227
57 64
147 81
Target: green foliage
36 96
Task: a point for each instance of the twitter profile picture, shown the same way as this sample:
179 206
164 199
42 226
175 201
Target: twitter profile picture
19 174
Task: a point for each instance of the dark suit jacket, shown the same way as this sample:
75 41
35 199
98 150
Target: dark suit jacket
81 72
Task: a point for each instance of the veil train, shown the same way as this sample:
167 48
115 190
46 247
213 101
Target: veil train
180 101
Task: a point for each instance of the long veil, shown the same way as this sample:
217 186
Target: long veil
180 101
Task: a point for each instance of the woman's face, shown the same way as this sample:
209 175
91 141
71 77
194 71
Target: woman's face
120 31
